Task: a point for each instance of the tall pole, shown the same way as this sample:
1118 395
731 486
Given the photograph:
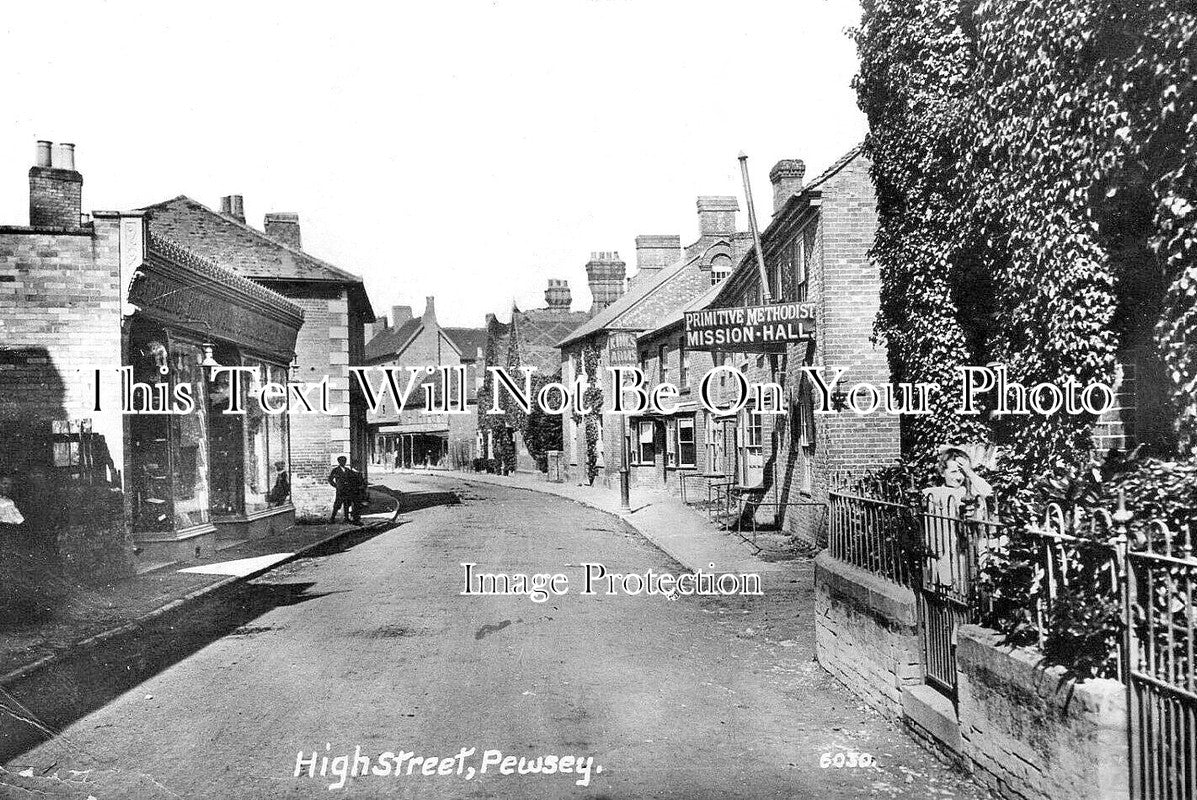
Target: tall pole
756 234
625 476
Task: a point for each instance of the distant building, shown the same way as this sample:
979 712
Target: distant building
103 492
529 340
668 278
415 437
336 309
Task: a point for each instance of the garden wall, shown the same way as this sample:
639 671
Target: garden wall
1020 729
1027 732
866 633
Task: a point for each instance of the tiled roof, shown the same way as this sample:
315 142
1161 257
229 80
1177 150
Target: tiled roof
609 317
539 331
393 340
227 240
468 340
839 164
676 316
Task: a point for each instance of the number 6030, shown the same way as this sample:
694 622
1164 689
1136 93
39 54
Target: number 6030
850 759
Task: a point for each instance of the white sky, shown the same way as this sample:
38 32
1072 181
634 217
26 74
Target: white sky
467 150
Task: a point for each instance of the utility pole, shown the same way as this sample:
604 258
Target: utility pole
756 234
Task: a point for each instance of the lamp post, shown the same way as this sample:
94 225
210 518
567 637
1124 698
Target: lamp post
625 502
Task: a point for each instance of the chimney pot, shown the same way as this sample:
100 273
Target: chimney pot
62 156
43 153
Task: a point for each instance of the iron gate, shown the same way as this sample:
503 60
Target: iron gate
948 571
1160 674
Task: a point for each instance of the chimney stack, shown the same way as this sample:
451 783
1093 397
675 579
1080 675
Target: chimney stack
786 177
376 327
55 188
429 310
283 227
605 273
400 315
557 297
717 215
655 252
233 205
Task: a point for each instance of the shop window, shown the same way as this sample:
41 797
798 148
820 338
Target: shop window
646 451
149 436
687 453
266 442
189 439
226 440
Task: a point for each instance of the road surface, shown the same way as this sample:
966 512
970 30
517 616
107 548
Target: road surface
372 651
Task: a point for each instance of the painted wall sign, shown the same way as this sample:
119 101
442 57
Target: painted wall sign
621 348
750 328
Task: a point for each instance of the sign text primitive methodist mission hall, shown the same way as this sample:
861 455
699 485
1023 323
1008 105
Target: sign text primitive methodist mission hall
749 328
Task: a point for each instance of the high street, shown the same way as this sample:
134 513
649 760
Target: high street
371 651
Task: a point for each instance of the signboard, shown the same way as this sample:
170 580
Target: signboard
750 328
621 350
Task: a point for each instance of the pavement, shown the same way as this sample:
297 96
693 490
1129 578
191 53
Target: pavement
84 615
367 654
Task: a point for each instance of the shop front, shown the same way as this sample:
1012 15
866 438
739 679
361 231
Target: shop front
201 477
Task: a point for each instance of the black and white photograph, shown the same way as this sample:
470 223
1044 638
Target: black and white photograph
611 399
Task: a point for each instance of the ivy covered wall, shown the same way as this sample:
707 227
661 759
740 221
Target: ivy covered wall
1036 171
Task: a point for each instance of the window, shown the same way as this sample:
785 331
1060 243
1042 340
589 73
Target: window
752 428
687 452
683 368
803 435
644 363
721 267
646 451
663 362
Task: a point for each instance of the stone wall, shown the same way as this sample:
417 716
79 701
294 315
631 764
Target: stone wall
866 633
1024 731
1027 732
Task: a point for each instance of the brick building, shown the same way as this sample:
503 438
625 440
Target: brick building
336 309
529 340
815 250
414 437
668 278
102 490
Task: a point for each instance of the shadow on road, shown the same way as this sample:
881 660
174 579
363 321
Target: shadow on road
37 707
417 501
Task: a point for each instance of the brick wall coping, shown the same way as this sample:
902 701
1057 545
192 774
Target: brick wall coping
1101 700
893 602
